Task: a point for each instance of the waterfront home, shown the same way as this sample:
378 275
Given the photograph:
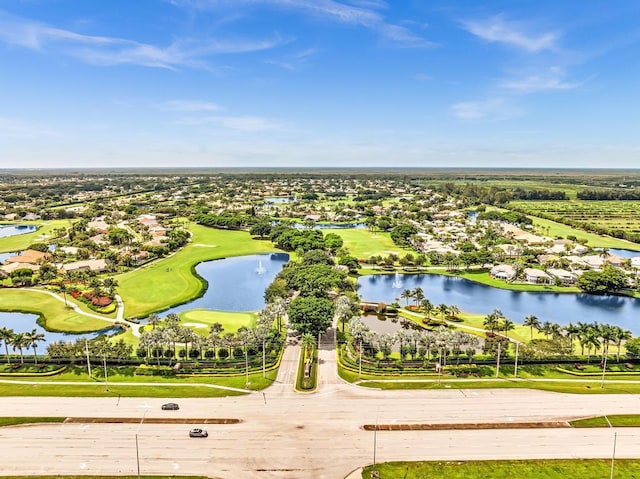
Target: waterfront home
563 276
11 267
503 271
30 256
537 276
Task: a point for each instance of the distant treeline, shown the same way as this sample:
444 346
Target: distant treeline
608 195
229 222
493 195
513 217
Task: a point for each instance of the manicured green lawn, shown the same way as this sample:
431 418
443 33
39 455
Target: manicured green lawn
559 229
57 316
532 469
229 320
171 281
12 421
191 386
362 243
21 242
619 420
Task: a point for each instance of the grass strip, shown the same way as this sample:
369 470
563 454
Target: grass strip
523 469
13 421
616 420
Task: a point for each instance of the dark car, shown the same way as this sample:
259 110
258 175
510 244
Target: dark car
170 406
197 432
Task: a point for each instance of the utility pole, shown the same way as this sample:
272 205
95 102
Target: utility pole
360 364
604 370
86 350
613 457
246 365
106 375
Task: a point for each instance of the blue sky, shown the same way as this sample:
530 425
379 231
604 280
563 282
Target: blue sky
217 83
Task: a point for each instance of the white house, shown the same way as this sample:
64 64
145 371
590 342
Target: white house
503 271
537 276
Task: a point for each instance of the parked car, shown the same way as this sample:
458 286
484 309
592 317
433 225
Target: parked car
197 432
170 406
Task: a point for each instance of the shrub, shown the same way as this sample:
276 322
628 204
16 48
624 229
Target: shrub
143 370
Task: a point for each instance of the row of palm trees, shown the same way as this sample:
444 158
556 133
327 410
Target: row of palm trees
171 333
425 306
443 340
20 341
591 336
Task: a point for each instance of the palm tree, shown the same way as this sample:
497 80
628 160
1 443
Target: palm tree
19 342
418 294
427 307
63 290
591 340
279 307
532 322
33 339
619 336
490 322
308 343
508 325
546 329
443 309
153 320
214 337
343 309
407 294
454 311
572 331
7 335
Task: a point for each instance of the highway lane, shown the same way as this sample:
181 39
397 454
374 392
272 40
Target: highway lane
304 435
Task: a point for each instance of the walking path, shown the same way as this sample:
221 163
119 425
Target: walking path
119 319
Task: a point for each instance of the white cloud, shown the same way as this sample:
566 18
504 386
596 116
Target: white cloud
492 108
536 83
246 124
361 13
189 106
497 30
100 50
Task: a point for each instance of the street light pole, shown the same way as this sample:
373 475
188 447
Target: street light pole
604 370
86 350
360 364
515 371
498 360
264 370
137 450
613 457
106 375
246 365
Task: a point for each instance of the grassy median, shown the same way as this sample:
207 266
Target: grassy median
534 469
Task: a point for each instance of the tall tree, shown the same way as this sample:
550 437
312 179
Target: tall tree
33 338
7 335
531 322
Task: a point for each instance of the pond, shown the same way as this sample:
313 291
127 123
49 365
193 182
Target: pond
235 284
25 323
623 253
12 230
384 324
561 308
274 200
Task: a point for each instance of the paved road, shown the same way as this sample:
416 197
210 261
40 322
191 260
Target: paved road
284 434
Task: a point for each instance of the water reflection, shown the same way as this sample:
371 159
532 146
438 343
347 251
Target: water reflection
234 284
12 230
24 322
516 305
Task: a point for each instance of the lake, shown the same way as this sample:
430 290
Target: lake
516 305
235 284
12 230
24 323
